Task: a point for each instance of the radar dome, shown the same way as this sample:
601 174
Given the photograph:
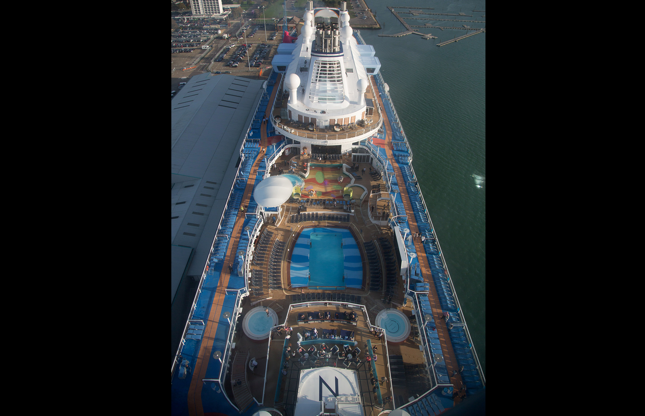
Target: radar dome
292 82
346 33
362 85
344 17
307 31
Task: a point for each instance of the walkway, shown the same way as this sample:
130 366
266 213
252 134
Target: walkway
267 112
442 330
194 394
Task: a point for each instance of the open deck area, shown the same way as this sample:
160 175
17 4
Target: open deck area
426 369
304 128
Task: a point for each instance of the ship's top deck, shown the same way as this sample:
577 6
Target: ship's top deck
251 267
327 79
346 127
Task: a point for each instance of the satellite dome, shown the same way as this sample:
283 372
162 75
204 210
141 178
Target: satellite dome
292 82
344 17
307 31
362 85
346 33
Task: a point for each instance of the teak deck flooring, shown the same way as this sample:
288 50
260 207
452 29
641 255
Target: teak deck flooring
365 230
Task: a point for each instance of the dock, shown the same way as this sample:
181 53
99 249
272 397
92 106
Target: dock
436 14
407 26
410 32
450 27
398 35
415 11
461 37
447 20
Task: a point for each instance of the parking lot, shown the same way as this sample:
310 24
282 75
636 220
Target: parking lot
235 58
363 17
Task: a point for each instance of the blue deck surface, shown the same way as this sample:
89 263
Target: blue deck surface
433 402
212 401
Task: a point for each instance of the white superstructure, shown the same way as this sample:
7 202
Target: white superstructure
326 74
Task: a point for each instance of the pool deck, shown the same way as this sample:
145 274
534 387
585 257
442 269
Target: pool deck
263 389
287 282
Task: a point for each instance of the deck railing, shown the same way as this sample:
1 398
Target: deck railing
345 305
292 128
374 152
250 249
206 265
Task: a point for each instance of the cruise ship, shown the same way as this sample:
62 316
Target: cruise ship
321 284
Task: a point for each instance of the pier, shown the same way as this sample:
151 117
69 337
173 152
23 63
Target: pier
447 20
436 14
398 35
425 36
448 27
460 37
415 11
407 26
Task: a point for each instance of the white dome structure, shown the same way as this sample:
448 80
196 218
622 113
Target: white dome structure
399 412
292 82
362 87
273 191
346 33
307 31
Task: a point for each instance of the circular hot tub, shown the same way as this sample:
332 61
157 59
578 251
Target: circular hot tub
257 324
395 324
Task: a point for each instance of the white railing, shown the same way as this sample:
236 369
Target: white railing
352 134
327 303
250 249
399 125
210 252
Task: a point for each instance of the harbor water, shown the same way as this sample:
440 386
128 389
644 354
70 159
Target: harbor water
439 95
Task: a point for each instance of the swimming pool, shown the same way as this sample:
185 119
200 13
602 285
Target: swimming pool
326 258
257 324
395 324
295 179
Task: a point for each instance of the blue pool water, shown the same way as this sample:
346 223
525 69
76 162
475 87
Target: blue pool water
260 323
319 260
326 260
295 179
395 324
257 324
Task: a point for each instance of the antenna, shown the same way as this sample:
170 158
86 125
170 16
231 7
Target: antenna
285 16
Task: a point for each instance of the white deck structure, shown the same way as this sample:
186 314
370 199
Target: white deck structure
326 76
333 388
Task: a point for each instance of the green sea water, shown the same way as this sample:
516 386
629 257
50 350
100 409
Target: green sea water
439 96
